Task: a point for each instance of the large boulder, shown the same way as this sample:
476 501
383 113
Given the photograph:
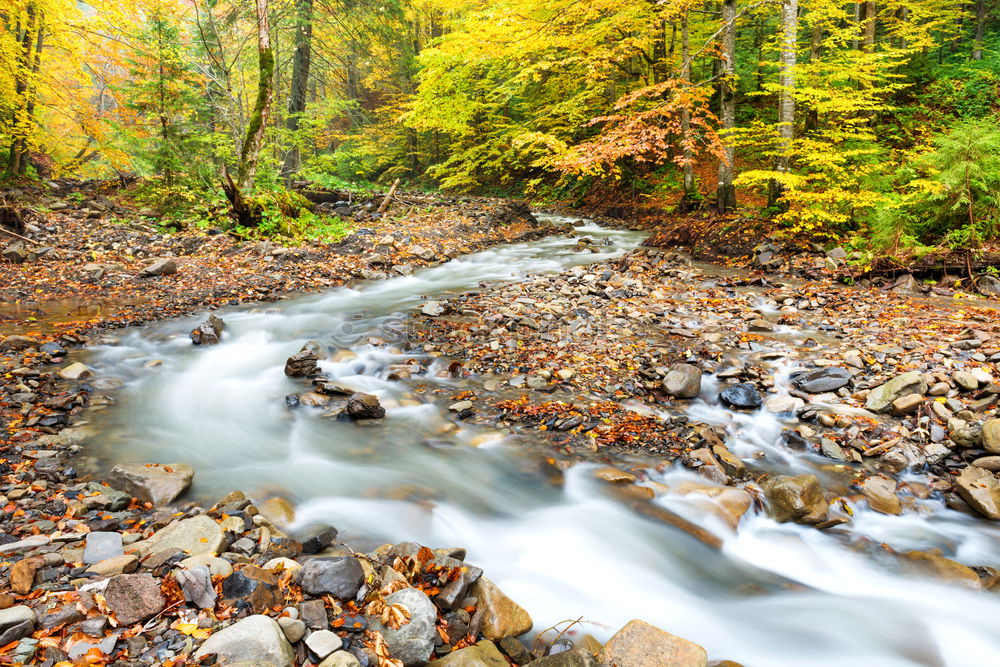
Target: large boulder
254 640
639 644
413 642
979 487
134 597
795 498
822 380
881 398
155 483
497 615
683 381
341 576
303 364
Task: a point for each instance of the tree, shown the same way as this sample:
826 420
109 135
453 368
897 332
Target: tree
300 83
726 196
26 66
257 125
786 94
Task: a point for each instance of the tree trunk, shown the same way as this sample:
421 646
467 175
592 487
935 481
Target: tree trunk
254 138
867 17
22 75
977 48
300 83
726 195
786 99
687 199
815 48
32 93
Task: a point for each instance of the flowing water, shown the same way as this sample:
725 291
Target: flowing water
775 594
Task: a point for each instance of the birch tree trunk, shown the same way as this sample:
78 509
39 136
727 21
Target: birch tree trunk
786 99
726 194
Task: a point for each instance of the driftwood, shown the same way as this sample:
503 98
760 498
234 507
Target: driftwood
384 206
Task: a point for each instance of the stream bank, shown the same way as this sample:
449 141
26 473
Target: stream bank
560 530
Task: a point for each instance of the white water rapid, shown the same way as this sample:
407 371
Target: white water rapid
776 595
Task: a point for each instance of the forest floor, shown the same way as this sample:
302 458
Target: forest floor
603 362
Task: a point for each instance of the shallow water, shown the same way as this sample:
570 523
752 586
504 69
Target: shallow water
781 595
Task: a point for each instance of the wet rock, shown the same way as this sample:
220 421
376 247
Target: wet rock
728 503
196 536
322 643
991 436
134 597
208 332
102 546
155 483
483 654
497 616
255 640
161 267
943 568
639 644
881 398
17 343
881 495
742 396
364 406
303 364
799 499
980 488
340 576
75 371
682 381
413 642
16 623
988 285
278 511
196 584
823 380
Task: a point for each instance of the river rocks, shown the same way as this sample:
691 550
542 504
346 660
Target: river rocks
823 380
980 488
683 381
303 364
364 406
942 568
254 587
15 623
255 639
339 576
196 536
75 371
134 597
433 309
881 398
22 574
991 436
640 644
741 397
15 253
881 495
161 267
483 654
413 642
726 502
799 499
322 643
17 343
102 546
965 381
209 332
907 404
497 615
155 483
575 658
196 584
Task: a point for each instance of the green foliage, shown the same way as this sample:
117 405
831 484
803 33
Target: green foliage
950 194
